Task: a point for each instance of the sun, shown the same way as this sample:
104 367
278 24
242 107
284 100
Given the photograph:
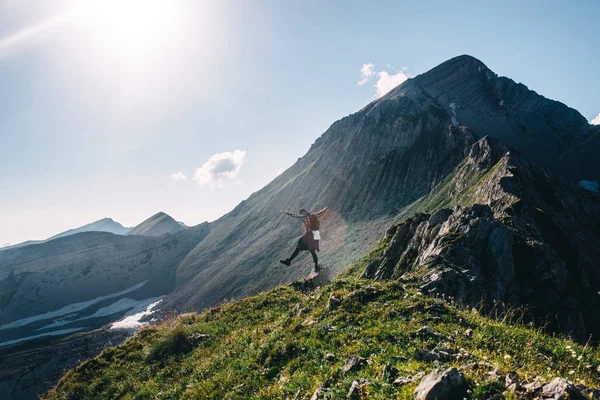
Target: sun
134 27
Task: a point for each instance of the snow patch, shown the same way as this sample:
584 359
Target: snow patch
501 103
53 333
69 309
126 304
592 186
453 118
133 321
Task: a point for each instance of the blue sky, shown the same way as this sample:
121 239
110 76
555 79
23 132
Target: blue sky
102 102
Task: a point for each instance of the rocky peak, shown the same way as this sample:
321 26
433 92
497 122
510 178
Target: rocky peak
158 224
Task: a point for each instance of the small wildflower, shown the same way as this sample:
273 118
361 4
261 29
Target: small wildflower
571 372
580 358
568 347
506 357
588 366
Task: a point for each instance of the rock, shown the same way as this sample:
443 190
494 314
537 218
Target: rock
428 356
512 377
354 392
329 328
593 393
353 363
403 380
333 302
560 388
442 384
424 332
533 387
514 387
390 372
199 337
496 375
320 391
329 357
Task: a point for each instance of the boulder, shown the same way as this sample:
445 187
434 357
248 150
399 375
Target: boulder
560 388
441 384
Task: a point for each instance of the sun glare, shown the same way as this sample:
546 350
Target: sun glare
133 26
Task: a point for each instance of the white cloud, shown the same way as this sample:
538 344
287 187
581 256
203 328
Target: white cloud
178 176
385 82
596 121
220 167
367 72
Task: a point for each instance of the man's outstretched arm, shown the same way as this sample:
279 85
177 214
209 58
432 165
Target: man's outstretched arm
291 214
323 211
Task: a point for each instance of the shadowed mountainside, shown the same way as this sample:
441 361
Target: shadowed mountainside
368 167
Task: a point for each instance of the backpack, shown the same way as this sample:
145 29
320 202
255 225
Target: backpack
313 222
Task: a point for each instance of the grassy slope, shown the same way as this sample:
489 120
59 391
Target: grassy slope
273 345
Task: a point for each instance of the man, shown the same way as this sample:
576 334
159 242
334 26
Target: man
310 235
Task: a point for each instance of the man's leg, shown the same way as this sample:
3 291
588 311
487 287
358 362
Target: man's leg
289 260
316 260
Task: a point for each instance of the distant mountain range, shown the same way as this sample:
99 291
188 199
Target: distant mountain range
156 225
102 225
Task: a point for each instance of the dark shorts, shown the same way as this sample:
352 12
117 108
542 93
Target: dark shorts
301 244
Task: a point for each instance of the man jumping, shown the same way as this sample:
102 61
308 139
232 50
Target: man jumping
310 235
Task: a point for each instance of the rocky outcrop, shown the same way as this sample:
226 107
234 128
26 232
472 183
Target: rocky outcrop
442 384
515 235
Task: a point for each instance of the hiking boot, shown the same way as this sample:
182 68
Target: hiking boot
317 267
285 262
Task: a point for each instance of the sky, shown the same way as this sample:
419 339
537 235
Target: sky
124 108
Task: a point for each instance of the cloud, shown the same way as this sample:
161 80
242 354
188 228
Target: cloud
178 176
596 121
385 81
220 167
367 72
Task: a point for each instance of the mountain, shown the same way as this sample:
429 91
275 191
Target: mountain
503 231
369 167
85 280
157 225
351 339
475 174
102 225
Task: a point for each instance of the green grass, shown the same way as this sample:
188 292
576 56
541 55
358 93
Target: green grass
273 346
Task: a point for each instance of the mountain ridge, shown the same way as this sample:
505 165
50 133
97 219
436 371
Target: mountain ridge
102 225
158 224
